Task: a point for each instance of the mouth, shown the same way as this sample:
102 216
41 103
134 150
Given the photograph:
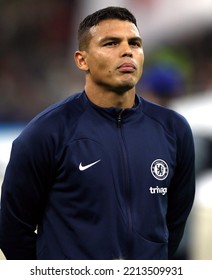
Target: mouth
126 67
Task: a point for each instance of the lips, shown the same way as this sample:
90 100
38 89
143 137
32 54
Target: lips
126 67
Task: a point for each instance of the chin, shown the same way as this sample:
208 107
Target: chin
123 89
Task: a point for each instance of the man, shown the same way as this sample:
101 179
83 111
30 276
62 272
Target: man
103 174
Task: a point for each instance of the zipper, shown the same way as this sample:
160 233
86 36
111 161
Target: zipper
119 119
127 194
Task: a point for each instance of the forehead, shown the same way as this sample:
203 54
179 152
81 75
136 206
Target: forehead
114 28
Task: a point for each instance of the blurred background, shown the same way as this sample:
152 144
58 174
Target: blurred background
37 42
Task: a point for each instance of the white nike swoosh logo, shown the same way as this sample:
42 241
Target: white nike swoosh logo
82 168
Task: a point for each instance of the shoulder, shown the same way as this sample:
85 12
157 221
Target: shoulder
169 119
60 109
51 122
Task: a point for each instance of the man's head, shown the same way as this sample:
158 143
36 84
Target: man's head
94 19
110 52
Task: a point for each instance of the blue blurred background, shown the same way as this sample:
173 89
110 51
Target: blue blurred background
38 38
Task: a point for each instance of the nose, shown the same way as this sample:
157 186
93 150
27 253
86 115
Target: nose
126 50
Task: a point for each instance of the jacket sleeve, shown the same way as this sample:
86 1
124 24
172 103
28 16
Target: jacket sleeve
24 192
182 190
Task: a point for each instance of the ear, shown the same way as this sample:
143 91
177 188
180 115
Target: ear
80 60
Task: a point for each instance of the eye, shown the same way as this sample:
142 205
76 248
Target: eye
110 44
136 44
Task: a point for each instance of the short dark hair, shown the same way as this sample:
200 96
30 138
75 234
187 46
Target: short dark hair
98 16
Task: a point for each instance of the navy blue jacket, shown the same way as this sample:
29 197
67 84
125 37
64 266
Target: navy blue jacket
85 182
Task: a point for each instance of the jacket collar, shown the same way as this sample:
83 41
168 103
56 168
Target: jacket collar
112 110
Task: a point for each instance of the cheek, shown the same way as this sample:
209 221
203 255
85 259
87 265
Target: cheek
101 61
98 65
141 63
142 60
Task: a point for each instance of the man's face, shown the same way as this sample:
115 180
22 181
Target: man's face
114 57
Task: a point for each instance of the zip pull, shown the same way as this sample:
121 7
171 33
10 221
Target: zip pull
119 119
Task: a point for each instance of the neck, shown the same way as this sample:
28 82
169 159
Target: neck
106 99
